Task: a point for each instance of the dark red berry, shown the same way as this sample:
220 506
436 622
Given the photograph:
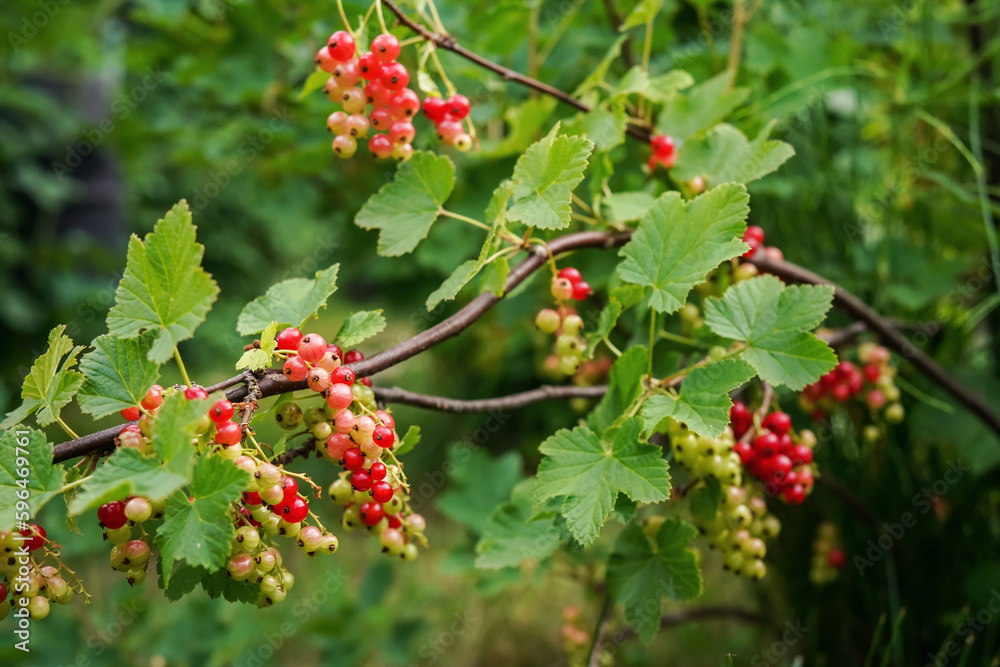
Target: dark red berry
222 411
288 339
112 514
371 513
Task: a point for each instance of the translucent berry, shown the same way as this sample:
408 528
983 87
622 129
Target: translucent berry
222 411
344 146
131 413
195 392
404 104
383 437
343 375
371 513
347 74
458 106
380 146
295 511
385 48
371 68
339 396
357 126
325 60
380 119
153 398
112 514
289 339
341 46
394 76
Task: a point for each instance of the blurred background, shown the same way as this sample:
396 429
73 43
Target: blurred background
112 111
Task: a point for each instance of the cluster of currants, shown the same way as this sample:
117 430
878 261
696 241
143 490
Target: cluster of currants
873 383
119 517
664 152
772 455
30 581
828 557
565 323
706 457
393 104
739 529
447 116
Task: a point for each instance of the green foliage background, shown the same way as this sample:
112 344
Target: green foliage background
200 100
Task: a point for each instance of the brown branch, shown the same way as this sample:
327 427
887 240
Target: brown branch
888 334
449 43
511 402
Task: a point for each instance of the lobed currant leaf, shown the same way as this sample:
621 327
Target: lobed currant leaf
410 440
589 472
125 473
605 127
174 430
510 535
678 243
624 387
619 299
164 289
703 403
725 155
404 210
26 449
775 321
49 385
359 327
628 206
257 358
290 303
118 373
642 571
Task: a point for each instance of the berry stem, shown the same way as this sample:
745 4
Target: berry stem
180 365
652 338
582 204
682 340
448 85
343 17
381 19
305 478
73 485
66 427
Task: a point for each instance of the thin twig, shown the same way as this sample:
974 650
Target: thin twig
511 402
602 623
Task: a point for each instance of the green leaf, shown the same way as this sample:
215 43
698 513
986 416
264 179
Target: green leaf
678 243
703 403
257 358
664 87
197 529
590 473
725 155
628 206
704 499
494 278
623 389
405 209
454 283
49 386
545 177
313 82
164 288
26 450
700 108
477 482
641 572
410 440
119 372
183 579
218 584
510 536
775 321
281 445
359 327
125 473
174 431
619 299
605 127
289 303
643 12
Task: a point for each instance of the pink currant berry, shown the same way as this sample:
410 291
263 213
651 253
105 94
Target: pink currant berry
435 108
380 119
339 395
404 104
371 513
377 94
318 379
295 369
380 146
341 45
371 68
325 60
449 130
336 123
562 289
222 411
131 436
385 418
194 392
347 74
458 106
402 153
342 375
329 362
289 339
381 492
131 413
401 132
581 291
394 76
333 91
353 459
378 471
385 48
361 480
875 399
345 146
295 511
228 433
153 398
312 347
343 421
353 100
112 514
337 444
383 437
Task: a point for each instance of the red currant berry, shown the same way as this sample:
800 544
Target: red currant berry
836 558
404 104
385 418
36 535
3 593
251 498
872 373
754 247
394 521
380 119
353 459
342 375
377 94
380 146
153 398
875 398
401 132
384 437
228 433
378 471
341 45
352 355
222 411
394 77
366 381
131 413
385 47
112 514
361 480
745 452
312 348
346 75
581 291
295 369
449 130
289 339
801 454
754 232
777 422
371 513
195 392
318 379
295 511
435 108
290 487
356 126
381 492
794 495
841 393
766 444
339 396
458 106
370 67
662 145
571 274
325 60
